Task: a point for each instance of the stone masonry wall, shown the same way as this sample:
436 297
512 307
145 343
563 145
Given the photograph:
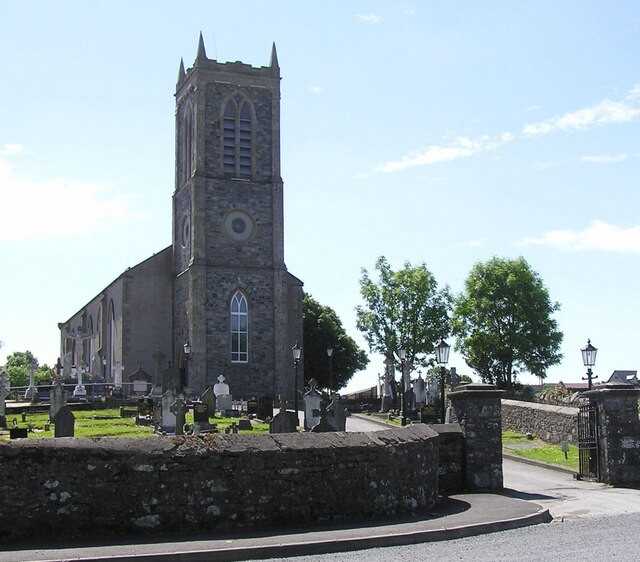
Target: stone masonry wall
451 455
68 487
549 423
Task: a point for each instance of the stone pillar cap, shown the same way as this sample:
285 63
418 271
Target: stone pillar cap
610 388
480 390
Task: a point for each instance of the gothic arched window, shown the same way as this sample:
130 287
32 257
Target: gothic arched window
239 328
187 149
112 340
99 327
237 137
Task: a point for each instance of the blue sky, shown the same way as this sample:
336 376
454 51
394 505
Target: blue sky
443 132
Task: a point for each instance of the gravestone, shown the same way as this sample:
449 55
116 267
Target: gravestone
336 415
209 399
419 391
167 417
224 401
31 393
18 433
323 426
265 408
58 398
312 402
200 417
171 380
140 381
145 411
179 410
5 386
387 387
244 424
65 422
252 407
285 421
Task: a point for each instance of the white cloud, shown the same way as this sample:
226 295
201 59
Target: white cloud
599 235
461 147
370 19
604 158
316 90
603 113
11 149
54 208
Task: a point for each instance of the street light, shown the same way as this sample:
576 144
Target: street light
187 356
330 356
297 351
589 359
442 358
402 354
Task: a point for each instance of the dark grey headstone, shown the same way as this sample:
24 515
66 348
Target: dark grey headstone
265 408
244 424
18 433
284 422
65 423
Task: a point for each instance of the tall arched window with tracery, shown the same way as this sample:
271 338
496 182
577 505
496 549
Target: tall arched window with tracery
115 373
237 138
239 328
187 142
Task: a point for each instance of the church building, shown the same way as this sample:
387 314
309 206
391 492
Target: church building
219 300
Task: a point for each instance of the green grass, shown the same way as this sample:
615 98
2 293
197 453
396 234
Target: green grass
108 423
516 443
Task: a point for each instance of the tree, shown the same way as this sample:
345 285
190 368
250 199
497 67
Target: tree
403 309
503 322
323 329
17 365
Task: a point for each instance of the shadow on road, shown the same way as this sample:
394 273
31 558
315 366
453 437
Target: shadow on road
526 495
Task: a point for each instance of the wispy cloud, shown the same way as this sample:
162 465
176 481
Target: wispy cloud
461 147
11 149
370 19
316 90
604 158
54 208
599 236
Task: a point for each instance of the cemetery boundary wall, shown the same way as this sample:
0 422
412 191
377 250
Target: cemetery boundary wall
550 423
451 458
77 487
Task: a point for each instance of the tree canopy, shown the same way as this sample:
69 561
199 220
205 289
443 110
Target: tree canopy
504 322
17 366
323 329
403 309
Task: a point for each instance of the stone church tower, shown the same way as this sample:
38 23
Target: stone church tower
234 301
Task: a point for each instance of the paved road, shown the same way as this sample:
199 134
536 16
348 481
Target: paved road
593 539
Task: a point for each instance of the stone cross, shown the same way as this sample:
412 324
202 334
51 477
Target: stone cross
419 391
80 392
179 410
5 387
158 359
168 418
31 393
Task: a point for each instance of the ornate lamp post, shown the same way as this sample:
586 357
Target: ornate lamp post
187 355
330 356
442 358
589 359
402 354
297 352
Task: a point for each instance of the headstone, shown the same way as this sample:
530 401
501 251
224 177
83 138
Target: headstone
65 422
285 421
58 398
31 393
179 410
200 417
140 380
18 433
5 387
80 392
171 379
209 398
323 426
265 408
252 407
244 424
419 391
454 377
387 388
224 400
312 402
336 415
168 418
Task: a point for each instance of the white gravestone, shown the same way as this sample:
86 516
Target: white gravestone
58 399
168 422
433 390
31 393
312 402
5 386
80 392
419 390
223 396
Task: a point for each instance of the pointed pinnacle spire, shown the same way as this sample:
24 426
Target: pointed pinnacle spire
181 73
274 57
202 54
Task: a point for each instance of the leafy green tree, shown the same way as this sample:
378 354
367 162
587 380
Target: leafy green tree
504 322
323 329
403 309
44 374
17 365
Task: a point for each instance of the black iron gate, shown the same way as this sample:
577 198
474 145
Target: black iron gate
588 455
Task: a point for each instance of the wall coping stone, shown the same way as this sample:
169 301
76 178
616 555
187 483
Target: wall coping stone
446 428
609 390
475 390
566 410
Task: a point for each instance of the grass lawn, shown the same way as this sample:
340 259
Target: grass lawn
108 423
516 443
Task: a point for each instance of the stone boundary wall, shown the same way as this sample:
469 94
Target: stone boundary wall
71 487
451 458
549 423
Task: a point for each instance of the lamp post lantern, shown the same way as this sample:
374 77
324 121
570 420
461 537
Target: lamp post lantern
330 356
442 358
187 355
589 359
402 354
297 352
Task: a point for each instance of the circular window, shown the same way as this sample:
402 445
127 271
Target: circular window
238 225
186 232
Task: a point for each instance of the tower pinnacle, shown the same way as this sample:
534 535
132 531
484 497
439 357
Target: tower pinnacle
202 54
274 57
181 73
